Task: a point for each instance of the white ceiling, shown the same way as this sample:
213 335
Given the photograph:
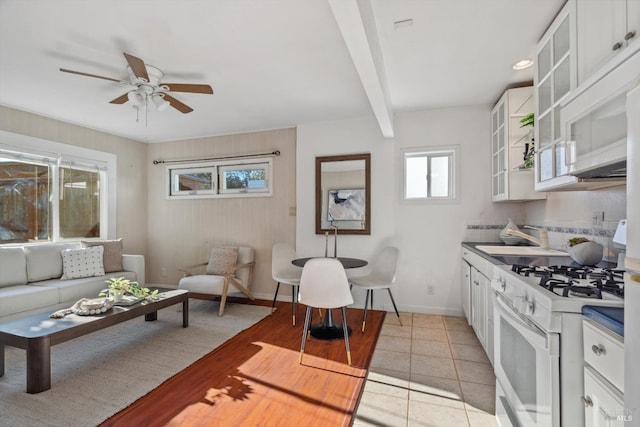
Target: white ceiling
272 63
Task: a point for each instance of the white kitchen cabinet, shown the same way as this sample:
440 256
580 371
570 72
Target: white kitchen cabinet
479 305
603 404
481 309
603 376
466 290
554 77
510 180
604 28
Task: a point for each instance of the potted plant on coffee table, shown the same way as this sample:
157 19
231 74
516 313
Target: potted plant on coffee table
119 287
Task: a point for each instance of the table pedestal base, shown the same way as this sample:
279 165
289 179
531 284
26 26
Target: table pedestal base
324 332
327 330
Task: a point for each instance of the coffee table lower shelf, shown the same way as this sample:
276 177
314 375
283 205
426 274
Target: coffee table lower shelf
26 333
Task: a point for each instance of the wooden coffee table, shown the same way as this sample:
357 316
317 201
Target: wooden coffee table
37 333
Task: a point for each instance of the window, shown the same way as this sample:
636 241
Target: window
237 178
193 181
47 196
430 173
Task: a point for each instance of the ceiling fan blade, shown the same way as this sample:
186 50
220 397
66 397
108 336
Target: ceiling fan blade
137 66
64 70
121 99
177 104
185 87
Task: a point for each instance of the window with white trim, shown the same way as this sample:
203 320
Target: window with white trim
52 196
430 173
234 178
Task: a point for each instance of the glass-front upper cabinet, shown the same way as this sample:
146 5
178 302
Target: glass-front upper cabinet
555 77
512 176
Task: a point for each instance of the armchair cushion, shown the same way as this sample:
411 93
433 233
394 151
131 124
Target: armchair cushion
222 260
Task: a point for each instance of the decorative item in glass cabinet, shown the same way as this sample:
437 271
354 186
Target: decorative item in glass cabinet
529 147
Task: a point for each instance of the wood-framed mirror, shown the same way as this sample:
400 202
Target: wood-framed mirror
343 194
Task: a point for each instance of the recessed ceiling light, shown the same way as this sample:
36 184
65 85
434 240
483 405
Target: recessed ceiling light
523 64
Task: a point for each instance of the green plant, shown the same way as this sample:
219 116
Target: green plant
577 240
529 148
527 120
127 287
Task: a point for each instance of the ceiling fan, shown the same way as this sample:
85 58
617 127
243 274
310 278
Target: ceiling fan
146 85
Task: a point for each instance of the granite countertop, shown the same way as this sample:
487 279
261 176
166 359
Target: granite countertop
542 261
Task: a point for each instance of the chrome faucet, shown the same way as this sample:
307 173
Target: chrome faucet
543 241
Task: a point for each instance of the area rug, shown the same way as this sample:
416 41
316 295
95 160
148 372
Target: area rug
97 375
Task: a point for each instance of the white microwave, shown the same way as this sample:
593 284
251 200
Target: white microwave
594 124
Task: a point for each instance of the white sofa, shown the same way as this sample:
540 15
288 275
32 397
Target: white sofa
30 279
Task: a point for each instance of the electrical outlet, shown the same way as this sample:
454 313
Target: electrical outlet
430 290
597 218
163 272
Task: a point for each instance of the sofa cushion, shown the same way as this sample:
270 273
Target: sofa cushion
86 287
222 259
16 299
112 253
45 261
13 265
86 262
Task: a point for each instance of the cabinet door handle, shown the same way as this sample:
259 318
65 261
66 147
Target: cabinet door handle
630 35
587 401
599 349
616 46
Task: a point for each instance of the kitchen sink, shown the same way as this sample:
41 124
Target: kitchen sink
520 251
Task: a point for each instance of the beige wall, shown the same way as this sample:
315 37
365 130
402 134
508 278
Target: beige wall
182 232
132 167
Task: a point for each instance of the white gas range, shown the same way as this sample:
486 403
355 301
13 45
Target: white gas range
538 339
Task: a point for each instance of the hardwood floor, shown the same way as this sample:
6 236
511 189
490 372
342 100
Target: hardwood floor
255 379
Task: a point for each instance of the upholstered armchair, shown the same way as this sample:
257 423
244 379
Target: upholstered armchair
228 271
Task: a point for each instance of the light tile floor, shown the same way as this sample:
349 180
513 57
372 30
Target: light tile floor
432 371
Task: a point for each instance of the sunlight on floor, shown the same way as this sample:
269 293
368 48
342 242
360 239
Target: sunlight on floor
430 372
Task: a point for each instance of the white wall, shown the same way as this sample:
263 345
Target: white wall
182 232
428 235
345 137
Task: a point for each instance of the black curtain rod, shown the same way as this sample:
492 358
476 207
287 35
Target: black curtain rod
243 156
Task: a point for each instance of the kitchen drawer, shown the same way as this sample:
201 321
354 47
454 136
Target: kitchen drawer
482 265
604 351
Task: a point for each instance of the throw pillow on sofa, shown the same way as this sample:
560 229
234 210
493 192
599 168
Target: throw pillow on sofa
112 258
222 260
86 262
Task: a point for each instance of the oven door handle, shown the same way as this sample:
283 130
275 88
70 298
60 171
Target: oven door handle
532 333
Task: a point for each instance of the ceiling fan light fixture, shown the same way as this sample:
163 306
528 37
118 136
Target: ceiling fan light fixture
159 102
137 97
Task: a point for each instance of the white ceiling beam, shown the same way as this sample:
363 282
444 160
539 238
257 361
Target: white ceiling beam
357 25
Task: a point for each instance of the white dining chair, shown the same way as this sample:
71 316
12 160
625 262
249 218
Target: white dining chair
324 285
382 276
283 271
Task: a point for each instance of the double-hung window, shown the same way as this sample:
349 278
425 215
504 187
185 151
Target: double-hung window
430 173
